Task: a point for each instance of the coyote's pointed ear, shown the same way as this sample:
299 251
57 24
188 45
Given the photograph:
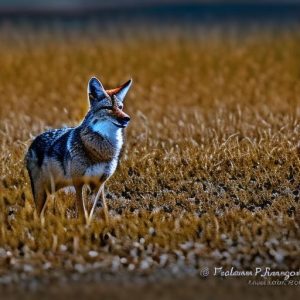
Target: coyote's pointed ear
95 90
121 91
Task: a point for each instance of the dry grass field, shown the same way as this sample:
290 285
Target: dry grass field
210 174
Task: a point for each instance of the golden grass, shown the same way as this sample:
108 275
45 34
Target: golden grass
210 173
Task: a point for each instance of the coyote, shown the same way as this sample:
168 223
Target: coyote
86 154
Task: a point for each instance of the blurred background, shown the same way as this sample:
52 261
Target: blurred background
163 11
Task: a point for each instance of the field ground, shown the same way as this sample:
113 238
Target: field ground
192 289
210 174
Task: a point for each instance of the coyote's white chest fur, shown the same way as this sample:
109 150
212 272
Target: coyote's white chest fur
114 135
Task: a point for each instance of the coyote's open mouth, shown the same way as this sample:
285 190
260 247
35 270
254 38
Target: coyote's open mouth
121 125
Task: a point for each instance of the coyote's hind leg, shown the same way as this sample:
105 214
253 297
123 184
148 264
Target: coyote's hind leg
40 199
37 184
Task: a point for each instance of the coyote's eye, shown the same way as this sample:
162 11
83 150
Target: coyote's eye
121 107
104 107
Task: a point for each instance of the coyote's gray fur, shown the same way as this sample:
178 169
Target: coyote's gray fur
88 153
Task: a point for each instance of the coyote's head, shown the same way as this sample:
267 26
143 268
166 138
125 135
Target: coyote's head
106 106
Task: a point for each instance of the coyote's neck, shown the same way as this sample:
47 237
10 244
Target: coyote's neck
102 142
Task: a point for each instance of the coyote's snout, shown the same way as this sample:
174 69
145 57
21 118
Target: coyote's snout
88 153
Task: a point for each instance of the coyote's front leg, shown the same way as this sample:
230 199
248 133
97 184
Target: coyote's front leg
80 205
99 194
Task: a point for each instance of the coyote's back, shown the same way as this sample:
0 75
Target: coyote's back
88 153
